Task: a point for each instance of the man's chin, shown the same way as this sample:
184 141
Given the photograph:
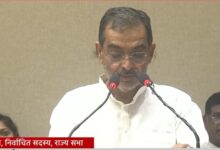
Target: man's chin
126 87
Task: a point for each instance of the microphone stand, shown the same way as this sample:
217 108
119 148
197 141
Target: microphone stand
177 115
112 85
77 126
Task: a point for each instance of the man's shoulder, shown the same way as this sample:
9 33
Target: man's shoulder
81 96
174 96
95 90
169 89
85 88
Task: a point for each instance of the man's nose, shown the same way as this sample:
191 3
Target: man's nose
126 63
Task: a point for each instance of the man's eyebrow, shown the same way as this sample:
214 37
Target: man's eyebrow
113 46
217 113
140 47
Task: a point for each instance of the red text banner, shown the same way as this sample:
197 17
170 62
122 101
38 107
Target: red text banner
46 142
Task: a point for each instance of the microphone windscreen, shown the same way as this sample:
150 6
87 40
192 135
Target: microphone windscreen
113 81
144 78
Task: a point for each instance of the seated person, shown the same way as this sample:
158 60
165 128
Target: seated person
7 127
212 119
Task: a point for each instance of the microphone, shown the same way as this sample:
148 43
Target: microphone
146 81
112 85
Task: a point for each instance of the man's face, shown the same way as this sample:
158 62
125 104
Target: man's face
212 123
125 52
4 131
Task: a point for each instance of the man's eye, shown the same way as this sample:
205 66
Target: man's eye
4 132
216 115
138 55
116 55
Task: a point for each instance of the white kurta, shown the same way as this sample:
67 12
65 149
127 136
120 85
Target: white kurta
144 123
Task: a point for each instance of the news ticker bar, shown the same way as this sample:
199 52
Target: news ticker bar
46 142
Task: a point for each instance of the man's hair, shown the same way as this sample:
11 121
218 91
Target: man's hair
122 17
7 121
213 100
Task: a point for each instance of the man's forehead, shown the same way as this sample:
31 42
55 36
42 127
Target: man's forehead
125 28
137 32
216 108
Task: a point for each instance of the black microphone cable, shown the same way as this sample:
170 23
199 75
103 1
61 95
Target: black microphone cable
145 80
112 85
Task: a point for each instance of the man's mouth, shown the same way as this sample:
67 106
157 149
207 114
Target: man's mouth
127 77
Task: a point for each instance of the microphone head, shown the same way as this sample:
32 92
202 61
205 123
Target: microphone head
113 81
144 79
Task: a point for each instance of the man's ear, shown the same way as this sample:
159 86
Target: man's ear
99 53
151 51
205 119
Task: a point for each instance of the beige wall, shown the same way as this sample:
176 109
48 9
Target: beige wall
47 49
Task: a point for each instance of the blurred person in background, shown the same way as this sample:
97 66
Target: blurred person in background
7 127
212 120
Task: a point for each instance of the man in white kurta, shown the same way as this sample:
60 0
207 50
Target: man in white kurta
132 117
144 123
